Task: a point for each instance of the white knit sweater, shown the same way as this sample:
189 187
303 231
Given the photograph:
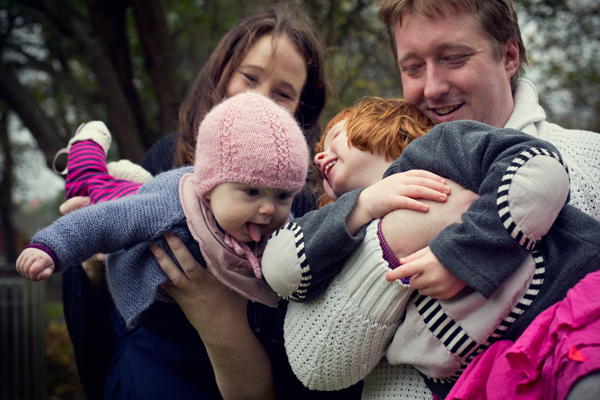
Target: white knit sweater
580 149
316 350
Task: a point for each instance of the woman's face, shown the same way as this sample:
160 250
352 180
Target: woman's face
274 68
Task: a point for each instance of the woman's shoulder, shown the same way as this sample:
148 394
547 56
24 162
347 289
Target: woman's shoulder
166 181
161 155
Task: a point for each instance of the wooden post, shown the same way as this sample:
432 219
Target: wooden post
22 344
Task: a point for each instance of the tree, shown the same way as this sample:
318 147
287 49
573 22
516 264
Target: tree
128 62
56 50
564 49
6 183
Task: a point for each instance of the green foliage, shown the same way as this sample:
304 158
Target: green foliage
62 380
54 68
564 47
54 310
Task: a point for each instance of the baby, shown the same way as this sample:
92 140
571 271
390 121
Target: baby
251 159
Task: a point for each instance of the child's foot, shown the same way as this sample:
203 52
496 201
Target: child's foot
94 130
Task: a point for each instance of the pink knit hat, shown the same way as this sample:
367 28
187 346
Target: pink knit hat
249 139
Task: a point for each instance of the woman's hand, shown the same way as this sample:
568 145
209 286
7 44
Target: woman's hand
241 364
93 266
74 203
199 294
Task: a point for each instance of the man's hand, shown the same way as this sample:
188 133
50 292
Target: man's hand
428 275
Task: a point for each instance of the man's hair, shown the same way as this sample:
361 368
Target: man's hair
382 125
497 18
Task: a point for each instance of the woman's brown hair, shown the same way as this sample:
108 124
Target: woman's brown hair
209 87
383 125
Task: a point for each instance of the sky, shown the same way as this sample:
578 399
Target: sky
34 179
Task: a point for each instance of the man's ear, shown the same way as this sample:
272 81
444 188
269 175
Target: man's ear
511 57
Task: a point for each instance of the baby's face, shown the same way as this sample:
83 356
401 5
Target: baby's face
249 212
344 167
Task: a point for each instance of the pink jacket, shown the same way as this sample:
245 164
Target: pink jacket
559 347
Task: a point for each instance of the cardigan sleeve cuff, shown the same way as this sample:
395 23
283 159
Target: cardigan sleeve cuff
45 250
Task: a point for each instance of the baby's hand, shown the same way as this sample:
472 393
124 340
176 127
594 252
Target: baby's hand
398 191
35 264
429 276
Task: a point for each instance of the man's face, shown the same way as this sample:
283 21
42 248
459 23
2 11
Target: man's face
450 71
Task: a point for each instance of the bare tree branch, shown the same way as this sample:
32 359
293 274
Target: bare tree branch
28 109
159 60
123 120
6 185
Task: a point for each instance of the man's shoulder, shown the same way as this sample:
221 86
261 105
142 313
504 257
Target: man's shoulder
579 138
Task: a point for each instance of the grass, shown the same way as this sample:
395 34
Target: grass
62 380
54 311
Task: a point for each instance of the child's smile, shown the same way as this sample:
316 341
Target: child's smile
344 167
326 168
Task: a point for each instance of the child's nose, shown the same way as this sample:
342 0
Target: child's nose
319 158
267 208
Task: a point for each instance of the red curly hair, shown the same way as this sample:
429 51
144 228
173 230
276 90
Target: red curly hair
385 125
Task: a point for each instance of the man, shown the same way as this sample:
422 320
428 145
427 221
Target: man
464 62
463 59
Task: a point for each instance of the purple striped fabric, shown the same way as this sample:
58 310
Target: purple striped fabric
87 175
388 254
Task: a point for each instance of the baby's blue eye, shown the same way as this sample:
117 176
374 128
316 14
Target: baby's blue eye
252 192
283 196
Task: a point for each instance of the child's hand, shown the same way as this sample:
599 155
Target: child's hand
401 191
429 276
398 191
35 264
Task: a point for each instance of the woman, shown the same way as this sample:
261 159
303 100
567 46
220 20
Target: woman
273 53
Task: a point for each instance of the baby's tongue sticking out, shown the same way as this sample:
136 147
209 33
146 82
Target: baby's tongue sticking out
254 230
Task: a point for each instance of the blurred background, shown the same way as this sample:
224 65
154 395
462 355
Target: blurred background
130 62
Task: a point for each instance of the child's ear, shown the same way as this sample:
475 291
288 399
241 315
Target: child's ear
207 195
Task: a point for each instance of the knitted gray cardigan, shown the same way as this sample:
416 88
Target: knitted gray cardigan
125 228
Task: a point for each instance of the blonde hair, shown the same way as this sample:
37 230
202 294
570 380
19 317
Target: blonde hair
375 124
